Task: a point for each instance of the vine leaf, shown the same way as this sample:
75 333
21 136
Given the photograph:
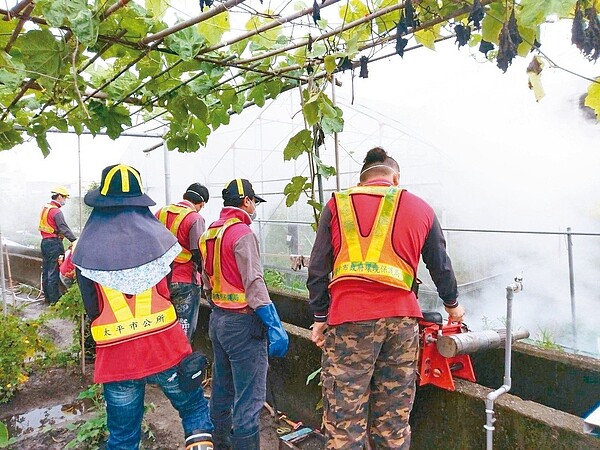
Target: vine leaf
158 8
300 143
41 53
294 189
213 29
592 98
186 43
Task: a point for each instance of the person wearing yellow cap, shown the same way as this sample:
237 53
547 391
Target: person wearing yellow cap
53 228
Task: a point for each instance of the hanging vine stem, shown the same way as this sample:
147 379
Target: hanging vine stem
75 74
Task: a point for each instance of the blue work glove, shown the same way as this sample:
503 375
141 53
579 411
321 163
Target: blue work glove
278 337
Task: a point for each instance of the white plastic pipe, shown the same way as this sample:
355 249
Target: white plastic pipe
511 289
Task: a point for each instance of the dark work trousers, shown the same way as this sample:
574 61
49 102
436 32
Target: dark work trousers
239 373
52 248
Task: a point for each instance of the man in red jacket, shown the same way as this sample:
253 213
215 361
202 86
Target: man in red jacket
244 326
187 225
370 239
53 229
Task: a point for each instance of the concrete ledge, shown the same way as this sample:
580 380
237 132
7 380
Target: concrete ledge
25 264
454 420
560 380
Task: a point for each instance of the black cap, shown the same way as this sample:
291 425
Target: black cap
237 189
196 193
121 185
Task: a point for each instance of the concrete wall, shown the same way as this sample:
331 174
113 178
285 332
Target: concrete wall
25 265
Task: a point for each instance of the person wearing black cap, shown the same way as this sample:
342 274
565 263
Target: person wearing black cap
122 259
187 225
241 310
53 228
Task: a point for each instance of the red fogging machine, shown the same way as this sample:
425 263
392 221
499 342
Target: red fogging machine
445 349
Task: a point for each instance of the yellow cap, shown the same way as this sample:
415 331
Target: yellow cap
61 190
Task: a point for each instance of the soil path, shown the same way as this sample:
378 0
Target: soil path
43 408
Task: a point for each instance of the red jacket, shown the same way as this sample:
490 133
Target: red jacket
416 231
186 272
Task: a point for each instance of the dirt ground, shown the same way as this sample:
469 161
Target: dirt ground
46 405
47 402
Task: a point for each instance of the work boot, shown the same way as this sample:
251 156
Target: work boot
198 440
248 442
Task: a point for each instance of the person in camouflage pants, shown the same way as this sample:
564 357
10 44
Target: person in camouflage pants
353 359
360 278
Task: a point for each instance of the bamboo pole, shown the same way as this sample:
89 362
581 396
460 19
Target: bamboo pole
10 280
193 21
268 26
329 34
18 28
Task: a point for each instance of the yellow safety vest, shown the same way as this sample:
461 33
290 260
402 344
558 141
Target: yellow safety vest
181 213
124 318
224 294
370 257
44 225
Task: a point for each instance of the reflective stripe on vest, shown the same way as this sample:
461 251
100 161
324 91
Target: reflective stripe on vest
371 257
181 213
224 294
118 322
44 225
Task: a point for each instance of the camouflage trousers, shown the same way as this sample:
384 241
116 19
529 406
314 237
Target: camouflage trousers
369 377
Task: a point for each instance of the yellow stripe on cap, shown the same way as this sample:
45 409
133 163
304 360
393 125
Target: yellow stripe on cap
240 186
124 171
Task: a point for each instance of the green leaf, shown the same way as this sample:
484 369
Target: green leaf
212 29
257 94
324 169
311 112
149 66
41 53
427 37
273 88
334 124
110 118
73 13
42 143
9 137
6 30
330 63
218 117
186 43
492 22
157 7
197 107
534 12
301 142
592 99
178 109
227 96
3 433
388 21
294 189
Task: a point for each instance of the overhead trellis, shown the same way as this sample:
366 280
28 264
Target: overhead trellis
94 65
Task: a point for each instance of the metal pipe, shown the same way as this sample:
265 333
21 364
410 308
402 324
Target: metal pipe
336 143
511 289
466 343
167 167
2 284
572 285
